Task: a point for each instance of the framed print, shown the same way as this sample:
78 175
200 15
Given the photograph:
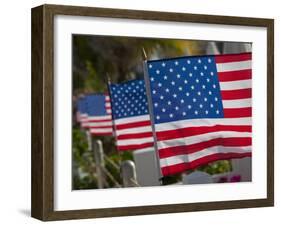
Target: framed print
141 112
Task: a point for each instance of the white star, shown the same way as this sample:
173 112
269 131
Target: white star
194 99
165 77
183 68
189 106
210 92
211 73
161 97
171 115
152 79
167 90
158 117
176 62
192 87
196 112
163 64
187 94
201 73
150 65
197 80
195 68
199 93
205 99
205 67
199 61
177 108
169 102
203 86
206 112
180 88
173 83
216 99
214 86
185 81
182 101
157 72
201 105
163 109
178 75
171 70
153 91
190 74
188 61
211 105
209 60
184 113
156 105
159 84
208 80
174 95
217 111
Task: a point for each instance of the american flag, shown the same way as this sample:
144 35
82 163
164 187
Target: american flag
98 114
130 114
201 109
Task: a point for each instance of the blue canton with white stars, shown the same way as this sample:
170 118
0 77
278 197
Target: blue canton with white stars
95 104
184 88
128 99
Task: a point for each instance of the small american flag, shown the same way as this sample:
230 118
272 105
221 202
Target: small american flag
98 114
130 114
201 109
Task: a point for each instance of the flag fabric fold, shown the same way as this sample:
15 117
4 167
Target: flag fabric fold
201 108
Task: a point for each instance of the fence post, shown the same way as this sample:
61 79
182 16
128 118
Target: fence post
99 159
128 172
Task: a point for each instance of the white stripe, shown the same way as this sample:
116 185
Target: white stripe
240 84
106 130
107 98
96 124
105 117
135 141
200 138
200 154
141 129
202 122
131 119
107 104
243 103
234 66
108 111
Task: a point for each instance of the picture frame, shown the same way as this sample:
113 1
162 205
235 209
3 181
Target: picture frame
43 108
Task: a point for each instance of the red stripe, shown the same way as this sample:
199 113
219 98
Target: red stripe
134 135
135 146
99 127
235 75
236 94
101 120
133 125
192 131
101 134
233 57
237 112
179 168
108 107
188 149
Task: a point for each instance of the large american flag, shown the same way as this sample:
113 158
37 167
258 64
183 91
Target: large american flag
201 109
130 114
97 116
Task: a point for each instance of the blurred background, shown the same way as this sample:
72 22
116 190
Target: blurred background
96 57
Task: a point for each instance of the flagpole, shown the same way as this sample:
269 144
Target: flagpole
112 117
150 109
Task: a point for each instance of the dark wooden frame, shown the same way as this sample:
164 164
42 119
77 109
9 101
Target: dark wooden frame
42 202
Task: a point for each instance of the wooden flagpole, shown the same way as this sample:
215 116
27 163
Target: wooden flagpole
150 109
